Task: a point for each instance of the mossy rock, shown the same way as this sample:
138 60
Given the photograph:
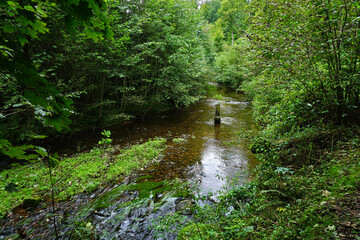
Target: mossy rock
198 231
179 140
184 206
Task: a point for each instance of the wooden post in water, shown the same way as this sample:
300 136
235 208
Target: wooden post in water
217 118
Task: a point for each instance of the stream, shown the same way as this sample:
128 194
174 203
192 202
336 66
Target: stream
212 157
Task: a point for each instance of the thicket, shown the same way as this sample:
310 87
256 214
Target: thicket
68 65
298 61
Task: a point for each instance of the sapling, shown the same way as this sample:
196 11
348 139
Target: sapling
106 140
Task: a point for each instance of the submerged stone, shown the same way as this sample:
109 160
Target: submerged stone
184 206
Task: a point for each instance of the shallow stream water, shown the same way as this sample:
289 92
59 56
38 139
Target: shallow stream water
198 152
205 150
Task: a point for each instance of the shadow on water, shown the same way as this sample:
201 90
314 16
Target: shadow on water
199 152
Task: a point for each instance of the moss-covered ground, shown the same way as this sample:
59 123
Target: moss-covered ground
73 175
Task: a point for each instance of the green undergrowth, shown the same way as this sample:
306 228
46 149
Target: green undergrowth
72 175
306 188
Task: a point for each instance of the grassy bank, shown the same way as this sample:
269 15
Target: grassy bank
83 172
306 187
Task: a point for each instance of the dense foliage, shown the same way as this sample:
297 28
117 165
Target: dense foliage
299 63
89 62
298 60
25 90
27 96
317 201
154 62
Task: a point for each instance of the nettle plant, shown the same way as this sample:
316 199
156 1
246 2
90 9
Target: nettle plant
106 140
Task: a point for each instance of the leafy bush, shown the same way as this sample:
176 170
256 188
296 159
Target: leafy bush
231 65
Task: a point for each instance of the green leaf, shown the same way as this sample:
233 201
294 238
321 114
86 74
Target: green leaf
53 162
22 40
38 136
109 34
35 99
8 28
4 143
18 152
29 8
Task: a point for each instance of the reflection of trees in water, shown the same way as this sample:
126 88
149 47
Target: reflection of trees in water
217 128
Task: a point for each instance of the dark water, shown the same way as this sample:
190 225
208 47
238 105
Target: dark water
199 152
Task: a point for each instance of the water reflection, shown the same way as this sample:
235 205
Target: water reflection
222 158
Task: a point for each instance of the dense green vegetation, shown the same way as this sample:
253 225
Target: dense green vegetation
298 62
69 65
316 197
72 175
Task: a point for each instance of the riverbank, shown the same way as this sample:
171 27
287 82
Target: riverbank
307 187
27 186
